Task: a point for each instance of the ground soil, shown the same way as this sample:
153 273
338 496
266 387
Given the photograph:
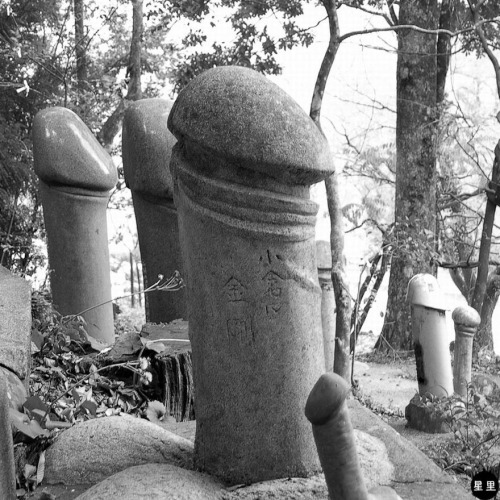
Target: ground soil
387 385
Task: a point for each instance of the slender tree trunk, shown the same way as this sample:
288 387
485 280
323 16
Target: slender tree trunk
493 192
489 219
132 289
341 364
416 126
447 21
80 47
485 292
139 287
113 124
484 336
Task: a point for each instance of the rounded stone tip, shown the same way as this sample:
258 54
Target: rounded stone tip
423 290
465 315
326 398
147 146
242 116
66 153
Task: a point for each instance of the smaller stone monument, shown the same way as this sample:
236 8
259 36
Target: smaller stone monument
430 337
327 411
466 321
146 148
76 176
432 353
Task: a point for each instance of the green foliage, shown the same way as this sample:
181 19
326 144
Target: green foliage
70 383
253 44
469 40
475 423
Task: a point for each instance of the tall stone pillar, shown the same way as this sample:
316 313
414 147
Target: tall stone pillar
245 157
76 175
147 147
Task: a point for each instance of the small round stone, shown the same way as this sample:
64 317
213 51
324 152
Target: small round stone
326 398
465 315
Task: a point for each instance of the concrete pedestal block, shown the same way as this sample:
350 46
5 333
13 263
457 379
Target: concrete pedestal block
147 146
245 157
76 175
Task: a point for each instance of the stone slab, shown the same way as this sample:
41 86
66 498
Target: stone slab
415 476
15 324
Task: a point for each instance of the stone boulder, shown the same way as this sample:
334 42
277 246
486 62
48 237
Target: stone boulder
425 418
16 390
96 449
156 482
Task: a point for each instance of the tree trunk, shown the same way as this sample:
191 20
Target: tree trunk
132 296
134 91
447 21
139 287
341 365
489 219
340 284
113 124
484 336
485 295
415 213
80 47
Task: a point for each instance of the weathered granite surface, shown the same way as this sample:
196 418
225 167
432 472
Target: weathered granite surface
238 114
94 450
15 324
245 156
156 482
